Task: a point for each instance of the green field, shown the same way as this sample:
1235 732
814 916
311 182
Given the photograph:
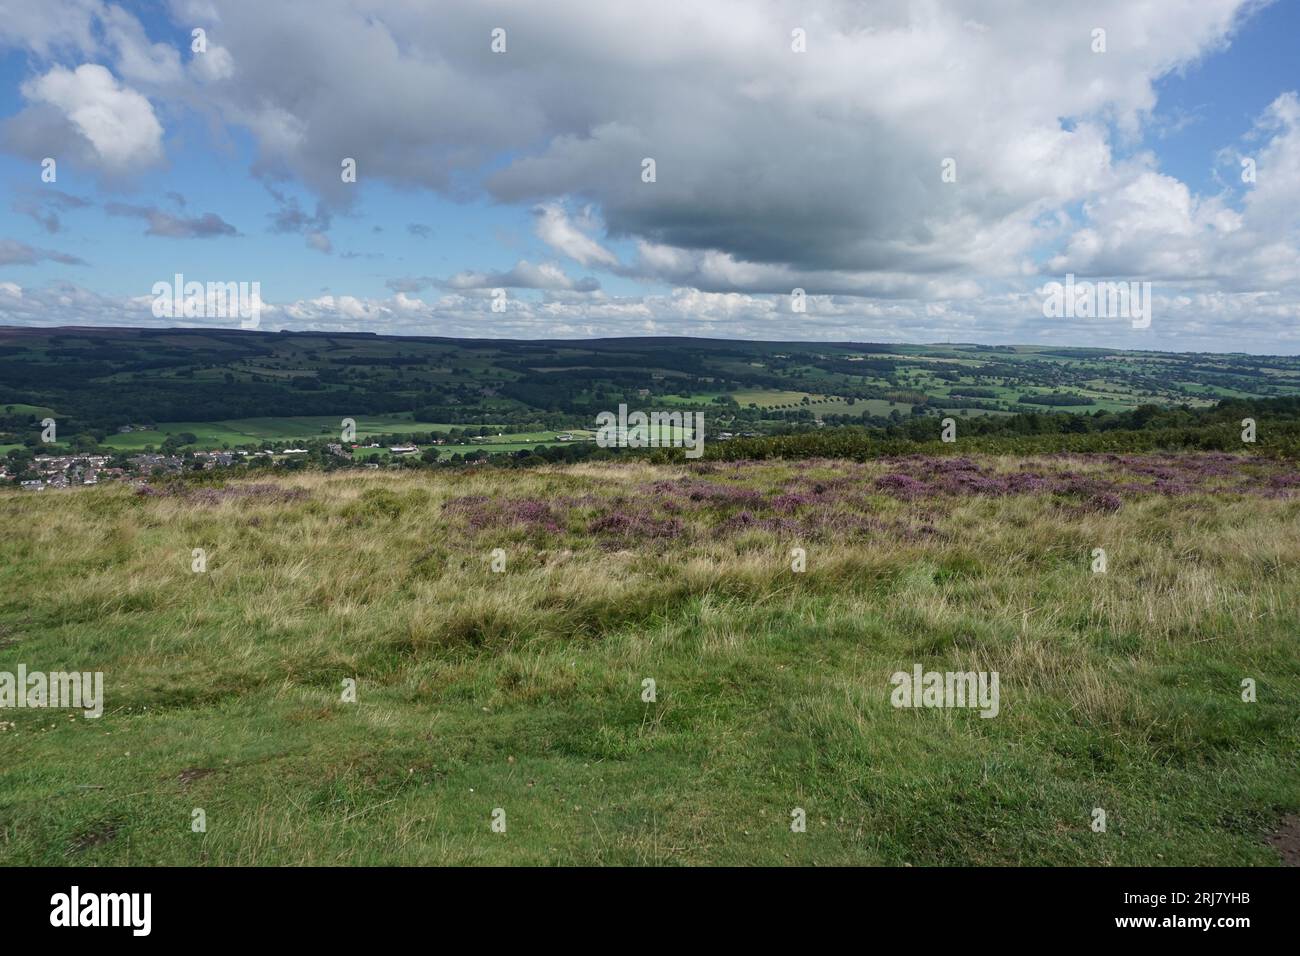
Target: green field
18 408
524 692
505 443
776 398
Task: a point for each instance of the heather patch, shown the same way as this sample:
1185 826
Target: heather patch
480 512
818 501
637 524
701 494
916 477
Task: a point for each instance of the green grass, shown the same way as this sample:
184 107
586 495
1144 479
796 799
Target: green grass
522 690
768 397
872 406
18 408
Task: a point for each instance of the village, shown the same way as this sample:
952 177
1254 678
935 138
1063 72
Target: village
65 471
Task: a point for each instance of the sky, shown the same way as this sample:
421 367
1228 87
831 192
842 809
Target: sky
921 170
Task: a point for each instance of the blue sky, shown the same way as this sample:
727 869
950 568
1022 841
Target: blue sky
815 169
1219 96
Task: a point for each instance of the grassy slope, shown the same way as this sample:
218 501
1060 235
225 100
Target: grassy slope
522 690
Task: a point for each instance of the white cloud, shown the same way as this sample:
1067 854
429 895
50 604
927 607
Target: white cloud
555 228
1151 225
213 66
47 27
117 122
524 275
1184 319
138 60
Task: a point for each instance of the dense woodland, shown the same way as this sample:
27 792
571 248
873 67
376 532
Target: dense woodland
785 399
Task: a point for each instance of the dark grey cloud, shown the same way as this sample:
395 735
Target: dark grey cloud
290 217
161 223
45 205
42 131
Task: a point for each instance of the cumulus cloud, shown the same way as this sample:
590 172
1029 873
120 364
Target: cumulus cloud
1151 225
88 113
773 167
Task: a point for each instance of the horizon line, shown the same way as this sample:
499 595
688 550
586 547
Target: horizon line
624 338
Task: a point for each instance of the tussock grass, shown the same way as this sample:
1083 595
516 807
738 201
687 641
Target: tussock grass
522 689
